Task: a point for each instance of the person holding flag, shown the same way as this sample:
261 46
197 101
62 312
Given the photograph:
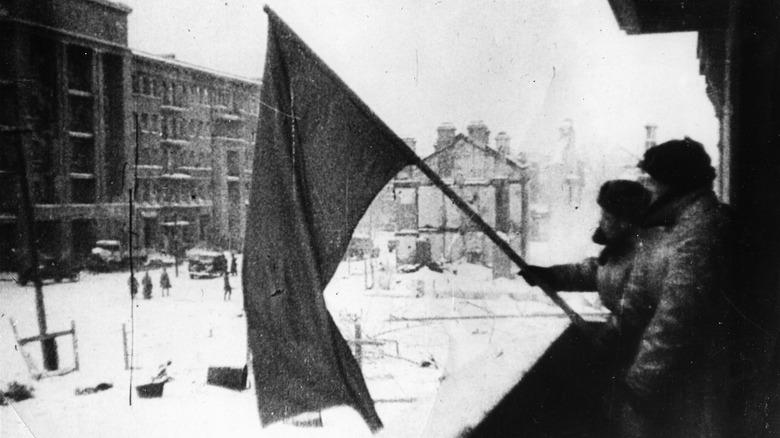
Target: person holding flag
623 204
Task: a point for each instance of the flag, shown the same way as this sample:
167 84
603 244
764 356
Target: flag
320 159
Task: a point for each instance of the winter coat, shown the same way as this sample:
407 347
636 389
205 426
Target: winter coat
673 310
165 281
606 274
147 282
133 283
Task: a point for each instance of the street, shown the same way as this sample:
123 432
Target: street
425 328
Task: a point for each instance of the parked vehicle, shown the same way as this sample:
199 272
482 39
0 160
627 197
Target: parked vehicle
49 268
156 260
206 264
109 255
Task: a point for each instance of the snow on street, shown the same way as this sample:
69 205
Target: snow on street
418 344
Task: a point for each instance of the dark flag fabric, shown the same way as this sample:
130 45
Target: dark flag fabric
320 159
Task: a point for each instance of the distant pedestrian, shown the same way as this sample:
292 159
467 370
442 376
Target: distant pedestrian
133 283
165 283
228 288
233 264
147 282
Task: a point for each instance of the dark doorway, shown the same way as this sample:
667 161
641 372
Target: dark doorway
150 233
47 238
83 237
9 239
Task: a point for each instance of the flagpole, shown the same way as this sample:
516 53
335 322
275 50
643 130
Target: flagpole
413 159
576 319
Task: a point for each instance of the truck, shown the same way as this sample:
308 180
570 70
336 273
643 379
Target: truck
50 268
206 264
109 255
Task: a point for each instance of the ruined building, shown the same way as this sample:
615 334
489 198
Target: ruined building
486 177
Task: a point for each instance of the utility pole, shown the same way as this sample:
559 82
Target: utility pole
27 219
176 244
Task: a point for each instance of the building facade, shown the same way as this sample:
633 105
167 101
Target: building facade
83 109
194 153
487 178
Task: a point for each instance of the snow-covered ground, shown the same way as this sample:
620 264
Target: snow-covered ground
431 374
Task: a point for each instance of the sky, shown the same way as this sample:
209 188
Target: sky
520 66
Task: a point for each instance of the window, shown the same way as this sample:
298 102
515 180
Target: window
80 115
82 155
205 223
233 163
166 97
178 96
83 191
79 68
42 188
8 203
165 127
160 88
83 231
144 154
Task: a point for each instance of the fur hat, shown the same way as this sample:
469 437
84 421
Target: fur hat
681 164
624 199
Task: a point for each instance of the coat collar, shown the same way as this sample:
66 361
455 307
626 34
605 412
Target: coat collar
670 210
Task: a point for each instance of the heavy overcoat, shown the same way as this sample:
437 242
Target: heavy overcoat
609 275
674 310
165 281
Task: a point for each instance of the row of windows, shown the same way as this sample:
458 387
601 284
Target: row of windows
171 158
178 128
155 192
172 127
43 191
186 95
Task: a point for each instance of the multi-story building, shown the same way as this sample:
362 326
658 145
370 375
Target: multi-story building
84 109
193 152
488 179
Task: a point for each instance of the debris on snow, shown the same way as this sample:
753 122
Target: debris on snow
91 390
16 392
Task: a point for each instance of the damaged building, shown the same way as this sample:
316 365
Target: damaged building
488 178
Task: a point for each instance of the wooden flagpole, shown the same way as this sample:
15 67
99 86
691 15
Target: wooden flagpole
501 243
